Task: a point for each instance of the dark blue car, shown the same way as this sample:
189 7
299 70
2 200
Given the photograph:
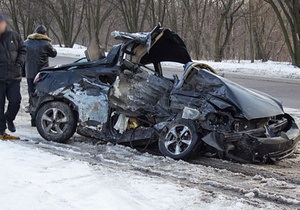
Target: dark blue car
124 98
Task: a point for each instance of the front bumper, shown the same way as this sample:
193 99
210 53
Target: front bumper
248 147
263 144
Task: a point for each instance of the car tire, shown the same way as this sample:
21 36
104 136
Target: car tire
56 121
179 139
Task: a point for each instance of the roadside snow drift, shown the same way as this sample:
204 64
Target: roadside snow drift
270 69
33 179
76 52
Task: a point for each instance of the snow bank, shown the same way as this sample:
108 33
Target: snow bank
245 67
33 179
258 68
76 52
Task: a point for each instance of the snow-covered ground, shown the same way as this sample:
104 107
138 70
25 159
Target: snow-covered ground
258 68
269 69
36 174
76 52
34 179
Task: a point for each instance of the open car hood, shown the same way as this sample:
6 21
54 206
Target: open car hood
153 47
169 47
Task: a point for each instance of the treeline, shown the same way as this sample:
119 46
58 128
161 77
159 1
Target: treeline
215 30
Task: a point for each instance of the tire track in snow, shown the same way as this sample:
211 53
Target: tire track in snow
212 175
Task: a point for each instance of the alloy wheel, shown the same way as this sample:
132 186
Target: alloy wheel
178 139
54 121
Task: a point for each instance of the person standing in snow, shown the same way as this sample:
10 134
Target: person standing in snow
39 50
12 57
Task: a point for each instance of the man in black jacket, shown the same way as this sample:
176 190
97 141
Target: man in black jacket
39 49
12 57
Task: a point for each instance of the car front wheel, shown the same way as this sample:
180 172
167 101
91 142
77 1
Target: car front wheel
179 140
56 121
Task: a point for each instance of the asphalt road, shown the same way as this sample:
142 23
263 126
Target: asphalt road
286 90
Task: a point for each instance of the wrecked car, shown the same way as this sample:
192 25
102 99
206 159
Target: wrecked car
125 98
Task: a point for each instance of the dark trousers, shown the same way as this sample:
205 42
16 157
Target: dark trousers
11 92
30 85
31 90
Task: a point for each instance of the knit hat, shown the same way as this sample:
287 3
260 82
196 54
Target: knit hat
41 29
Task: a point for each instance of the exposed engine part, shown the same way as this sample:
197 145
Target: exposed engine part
133 123
220 121
244 125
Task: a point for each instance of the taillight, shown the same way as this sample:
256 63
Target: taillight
39 77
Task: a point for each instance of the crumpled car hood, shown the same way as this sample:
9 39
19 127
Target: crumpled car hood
252 104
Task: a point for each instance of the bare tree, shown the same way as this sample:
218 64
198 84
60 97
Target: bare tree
229 8
196 13
97 12
265 39
291 11
22 17
133 13
157 11
68 15
173 15
211 29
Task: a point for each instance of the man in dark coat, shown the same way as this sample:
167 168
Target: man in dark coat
12 57
39 49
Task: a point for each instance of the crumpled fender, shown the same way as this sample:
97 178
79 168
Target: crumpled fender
215 140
